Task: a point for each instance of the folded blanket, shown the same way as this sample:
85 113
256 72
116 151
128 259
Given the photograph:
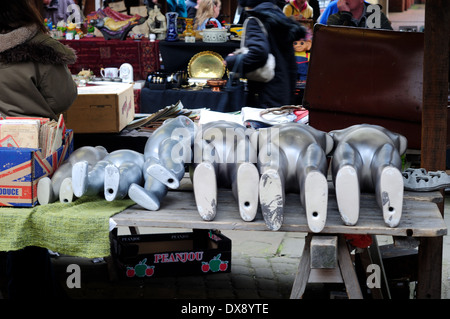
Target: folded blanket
79 228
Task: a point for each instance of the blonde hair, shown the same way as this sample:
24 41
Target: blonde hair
205 11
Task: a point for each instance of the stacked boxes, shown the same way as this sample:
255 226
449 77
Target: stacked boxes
21 169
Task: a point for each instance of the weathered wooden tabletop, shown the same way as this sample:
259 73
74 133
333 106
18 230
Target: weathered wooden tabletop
420 217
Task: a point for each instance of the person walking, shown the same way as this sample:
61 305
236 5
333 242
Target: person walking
282 32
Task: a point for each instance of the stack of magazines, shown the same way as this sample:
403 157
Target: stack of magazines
32 132
150 122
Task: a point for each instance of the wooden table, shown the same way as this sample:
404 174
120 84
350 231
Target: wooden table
421 218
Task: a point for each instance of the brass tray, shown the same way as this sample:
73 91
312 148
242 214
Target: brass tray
206 65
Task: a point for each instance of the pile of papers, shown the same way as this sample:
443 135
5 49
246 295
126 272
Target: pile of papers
30 132
150 122
257 117
248 116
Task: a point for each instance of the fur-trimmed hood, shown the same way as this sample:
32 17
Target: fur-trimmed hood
27 44
34 77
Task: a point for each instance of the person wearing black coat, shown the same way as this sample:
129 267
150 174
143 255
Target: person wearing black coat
282 32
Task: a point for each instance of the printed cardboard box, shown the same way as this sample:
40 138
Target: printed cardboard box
175 254
101 109
21 169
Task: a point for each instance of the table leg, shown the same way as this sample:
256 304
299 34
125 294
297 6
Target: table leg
348 270
372 255
345 266
304 269
429 275
134 230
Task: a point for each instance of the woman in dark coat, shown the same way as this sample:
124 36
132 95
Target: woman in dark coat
282 32
34 81
34 77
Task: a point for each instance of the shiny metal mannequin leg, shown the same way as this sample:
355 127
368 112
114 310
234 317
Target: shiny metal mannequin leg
292 158
113 174
224 156
59 186
367 158
125 168
165 154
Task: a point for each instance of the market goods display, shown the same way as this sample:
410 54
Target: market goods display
215 35
367 158
59 185
420 180
206 65
113 174
292 158
113 24
283 158
225 156
166 151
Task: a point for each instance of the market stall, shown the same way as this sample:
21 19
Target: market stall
96 53
153 100
177 54
193 73
422 216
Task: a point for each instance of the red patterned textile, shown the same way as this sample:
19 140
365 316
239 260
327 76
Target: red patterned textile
137 100
97 53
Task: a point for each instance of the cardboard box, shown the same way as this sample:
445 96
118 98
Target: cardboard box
24 132
176 254
101 109
21 169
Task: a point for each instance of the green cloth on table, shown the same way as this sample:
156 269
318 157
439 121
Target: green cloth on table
80 228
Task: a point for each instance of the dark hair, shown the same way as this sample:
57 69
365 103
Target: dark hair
18 13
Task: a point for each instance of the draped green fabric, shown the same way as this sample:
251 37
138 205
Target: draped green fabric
80 228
